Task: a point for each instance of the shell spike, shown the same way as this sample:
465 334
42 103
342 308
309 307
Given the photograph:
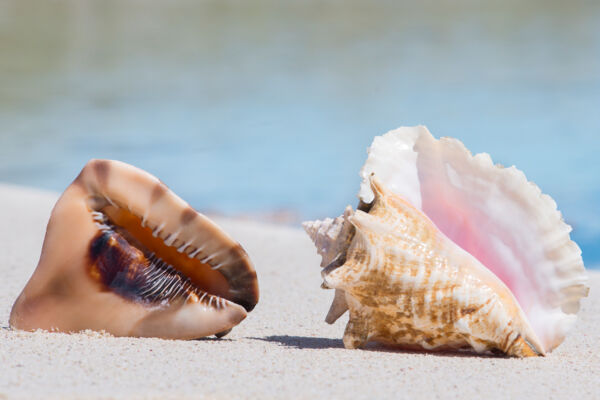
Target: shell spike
338 307
376 185
365 223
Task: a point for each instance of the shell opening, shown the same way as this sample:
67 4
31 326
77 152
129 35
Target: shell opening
148 264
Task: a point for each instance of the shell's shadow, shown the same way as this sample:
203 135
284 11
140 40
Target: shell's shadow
318 343
303 342
212 339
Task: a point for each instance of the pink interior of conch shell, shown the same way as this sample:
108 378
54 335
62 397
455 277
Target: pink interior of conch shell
493 213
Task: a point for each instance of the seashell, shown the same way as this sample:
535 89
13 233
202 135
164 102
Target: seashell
447 250
125 255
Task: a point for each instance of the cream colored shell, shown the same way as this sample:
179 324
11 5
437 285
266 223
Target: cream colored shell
453 251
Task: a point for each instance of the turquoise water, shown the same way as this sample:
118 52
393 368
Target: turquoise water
267 109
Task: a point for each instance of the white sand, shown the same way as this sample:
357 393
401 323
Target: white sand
282 350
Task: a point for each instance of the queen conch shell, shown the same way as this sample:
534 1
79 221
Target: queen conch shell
125 255
448 250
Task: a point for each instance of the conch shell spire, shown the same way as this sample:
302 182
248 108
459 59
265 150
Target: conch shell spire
332 238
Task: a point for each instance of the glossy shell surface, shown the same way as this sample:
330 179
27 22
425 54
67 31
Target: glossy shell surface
125 255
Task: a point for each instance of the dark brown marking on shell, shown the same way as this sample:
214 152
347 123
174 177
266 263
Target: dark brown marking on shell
366 207
359 257
157 192
223 333
102 170
504 345
188 215
469 310
238 250
335 264
242 278
61 285
244 282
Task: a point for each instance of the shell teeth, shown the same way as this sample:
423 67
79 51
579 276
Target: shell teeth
100 221
103 227
145 218
202 297
184 246
170 239
210 257
158 229
195 252
217 266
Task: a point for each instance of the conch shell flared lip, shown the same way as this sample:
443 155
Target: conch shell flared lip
125 255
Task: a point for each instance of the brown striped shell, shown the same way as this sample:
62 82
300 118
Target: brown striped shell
405 283
125 255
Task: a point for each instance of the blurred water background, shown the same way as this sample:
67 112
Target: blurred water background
266 108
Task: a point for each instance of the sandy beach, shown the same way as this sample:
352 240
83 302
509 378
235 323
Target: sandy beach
283 349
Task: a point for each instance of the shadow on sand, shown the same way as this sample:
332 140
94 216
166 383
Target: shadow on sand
303 342
318 343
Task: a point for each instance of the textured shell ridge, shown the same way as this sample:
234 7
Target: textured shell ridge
427 278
